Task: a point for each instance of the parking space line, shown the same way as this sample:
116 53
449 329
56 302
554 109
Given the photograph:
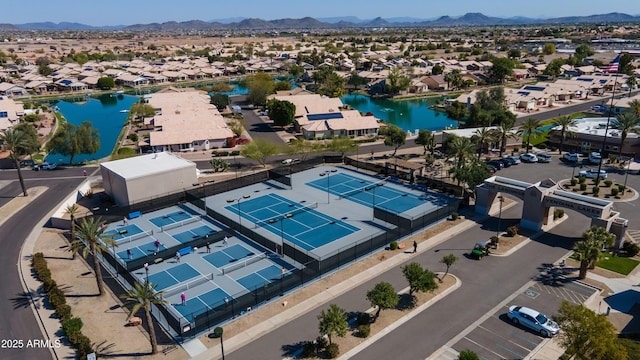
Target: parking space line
484 347
512 333
520 356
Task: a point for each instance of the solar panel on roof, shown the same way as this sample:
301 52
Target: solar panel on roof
525 93
584 79
325 116
534 88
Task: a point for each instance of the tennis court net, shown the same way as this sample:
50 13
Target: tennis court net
186 286
368 187
179 223
295 210
242 264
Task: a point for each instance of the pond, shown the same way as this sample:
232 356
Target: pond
104 112
411 115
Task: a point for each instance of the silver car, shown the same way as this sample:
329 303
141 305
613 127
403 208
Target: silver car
533 319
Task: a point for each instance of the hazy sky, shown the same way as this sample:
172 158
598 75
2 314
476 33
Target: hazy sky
127 12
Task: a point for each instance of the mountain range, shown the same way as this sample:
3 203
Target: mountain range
309 23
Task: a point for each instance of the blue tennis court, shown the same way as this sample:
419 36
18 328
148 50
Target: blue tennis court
173 276
228 255
140 251
200 304
186 236
261 277
171 218
369 193
122 232
296 222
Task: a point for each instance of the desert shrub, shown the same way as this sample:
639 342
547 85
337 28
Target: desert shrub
596 190
512 230
309 350
558 214
621 188
455 216
63 312
364 331
72 326
133 137
614 191
631 248
574 182
468 355
495 240
582 179
56 297
393 245
333 350
583 186
364 318
608 183
597 181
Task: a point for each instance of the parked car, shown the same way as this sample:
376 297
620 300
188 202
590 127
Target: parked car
595 158
512 159
504 162
543 157
570 157
48 166
27 162
592 174
529 158
534 320
289 161
496 164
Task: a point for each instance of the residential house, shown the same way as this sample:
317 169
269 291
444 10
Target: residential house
185 121
436 82
10 112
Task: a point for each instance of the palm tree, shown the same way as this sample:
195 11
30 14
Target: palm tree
585 251
90 240
565 122
14 140
530 127
627 122
483 136
634 106
461 148
142 296
506 131
72 211
602 240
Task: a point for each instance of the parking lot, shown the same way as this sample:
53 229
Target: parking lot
498 338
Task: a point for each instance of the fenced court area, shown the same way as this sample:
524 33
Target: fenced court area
262 239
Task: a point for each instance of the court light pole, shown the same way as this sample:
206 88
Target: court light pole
285 216
237 201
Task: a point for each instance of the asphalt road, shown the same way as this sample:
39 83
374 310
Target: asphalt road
17 319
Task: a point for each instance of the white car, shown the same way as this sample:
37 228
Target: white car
289 161
595 158
570 157
543 157
534 320
592 174
48 166
529 158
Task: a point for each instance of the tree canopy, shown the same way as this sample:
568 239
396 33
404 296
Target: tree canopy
106 82
259 149
333 321
260 85
281 112
383 296
394 136
501 69
220 100
419 279
586 335
397 81
73 140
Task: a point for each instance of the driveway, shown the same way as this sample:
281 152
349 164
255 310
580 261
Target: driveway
253 123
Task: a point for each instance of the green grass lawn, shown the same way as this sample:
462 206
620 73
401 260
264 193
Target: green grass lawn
621 265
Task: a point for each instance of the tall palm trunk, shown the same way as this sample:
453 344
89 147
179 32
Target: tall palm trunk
98 271
152 330
24 189
584 264
73 235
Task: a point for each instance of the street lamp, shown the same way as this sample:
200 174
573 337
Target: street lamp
217 333
373 198
281 219
627 172
230 201
501 198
